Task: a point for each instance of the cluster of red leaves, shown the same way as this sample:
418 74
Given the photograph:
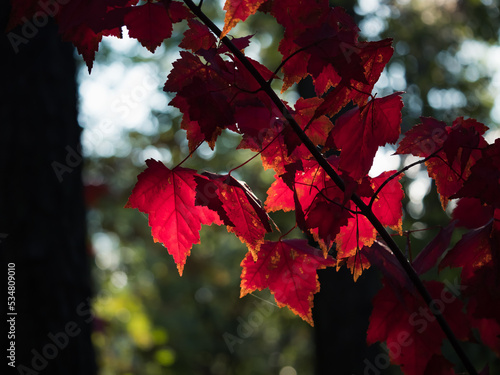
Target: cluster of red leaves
86 22
464 166
215 91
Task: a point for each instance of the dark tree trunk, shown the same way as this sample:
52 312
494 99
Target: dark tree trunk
42 214
341 315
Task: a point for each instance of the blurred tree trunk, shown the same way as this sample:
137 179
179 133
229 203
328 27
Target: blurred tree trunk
42 214
341 314
341 311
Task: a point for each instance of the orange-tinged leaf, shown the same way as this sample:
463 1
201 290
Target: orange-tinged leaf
238 10
455 149
477 253
318 129
324 219
357 233
423 139
309 182
484 180
242 211
168 198
288 269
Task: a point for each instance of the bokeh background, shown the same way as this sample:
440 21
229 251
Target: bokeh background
148 319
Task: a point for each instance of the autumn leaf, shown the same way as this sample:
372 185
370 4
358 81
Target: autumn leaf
288 269
409 329
198 37
388 205
236 204
168 198
454 150
316 128
423 139
325 218
150 24
477 254
380 256
471 213
238 10
484 180
430 254
361 131
357 233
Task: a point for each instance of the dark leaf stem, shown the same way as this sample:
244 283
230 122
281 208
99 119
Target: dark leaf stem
364 208
375 195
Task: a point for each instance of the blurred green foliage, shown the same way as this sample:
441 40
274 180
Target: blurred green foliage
149 320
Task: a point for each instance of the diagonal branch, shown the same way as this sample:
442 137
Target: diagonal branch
364 208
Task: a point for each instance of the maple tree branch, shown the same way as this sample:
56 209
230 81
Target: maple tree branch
189 155
320 192
362 92
282 64
451 167
375 195
364 208
258 153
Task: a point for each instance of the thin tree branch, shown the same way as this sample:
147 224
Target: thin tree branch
364 208
372 200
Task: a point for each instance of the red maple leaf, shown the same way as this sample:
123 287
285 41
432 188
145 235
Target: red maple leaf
240 209
151 23
308 182
86 42
410 330
325 218
318 197
429 255
374 57
488 328
361 131
322 42
423 139
388 205
238 10
198 37
288 269
316 128
359 233
454 150
484 180
168 198
334 45
477 253
471 213
207 103
380 256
